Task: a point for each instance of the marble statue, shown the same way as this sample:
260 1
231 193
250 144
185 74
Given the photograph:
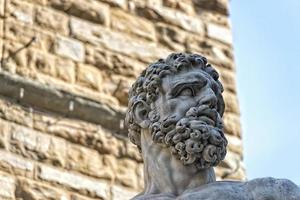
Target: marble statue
174 117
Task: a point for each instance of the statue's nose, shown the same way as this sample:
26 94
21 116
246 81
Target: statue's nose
209 98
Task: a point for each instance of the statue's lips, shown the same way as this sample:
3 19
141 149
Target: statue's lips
208 115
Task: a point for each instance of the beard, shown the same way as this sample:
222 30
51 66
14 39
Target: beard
195 139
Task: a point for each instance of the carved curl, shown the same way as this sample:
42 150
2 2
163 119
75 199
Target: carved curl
147 87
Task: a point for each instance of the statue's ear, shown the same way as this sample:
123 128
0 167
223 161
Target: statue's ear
140 113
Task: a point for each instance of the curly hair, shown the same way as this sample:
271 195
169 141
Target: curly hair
147 86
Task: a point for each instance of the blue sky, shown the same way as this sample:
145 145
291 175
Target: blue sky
267 52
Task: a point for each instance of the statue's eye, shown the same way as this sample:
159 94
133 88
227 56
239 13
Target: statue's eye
186 92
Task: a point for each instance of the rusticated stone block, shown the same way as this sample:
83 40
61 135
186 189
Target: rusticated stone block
79 197
121 193
117 3
14 113
4 131
38 146
7 187
232 124
220 6
125 170
231 102
220 33
55 21
14 164
120 91
87 134
65 69
89 76
88 161
82 184
38 191
19 32
85 31
172 16
116 42
69 48
21 10
228 80
86 9
235 144
231 163
39 2
42 62
172 37
133 25
182 5
126 66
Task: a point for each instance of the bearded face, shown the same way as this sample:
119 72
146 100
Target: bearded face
185 120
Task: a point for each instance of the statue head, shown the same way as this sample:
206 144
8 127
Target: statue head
179 100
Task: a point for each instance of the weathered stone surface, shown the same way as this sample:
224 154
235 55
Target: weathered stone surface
172 37
65 69
21 33
174 17
182 5
7 187
15 164
119 193
22 11
89 76
77 182
79 197
86 9
4 133
47 18
39 2
235 144
124 22
228 79
98 57
83 133
231 102
117 3
121 89
88 162
126 173
220 6
116 42
126 66
38 191
42 62
232 124
38 146
219 33
69 48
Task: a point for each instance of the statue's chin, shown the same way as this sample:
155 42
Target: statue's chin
192 141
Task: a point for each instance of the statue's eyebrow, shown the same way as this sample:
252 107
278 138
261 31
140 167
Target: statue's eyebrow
177 87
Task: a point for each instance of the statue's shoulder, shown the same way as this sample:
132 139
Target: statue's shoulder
274 188
262 188
228 190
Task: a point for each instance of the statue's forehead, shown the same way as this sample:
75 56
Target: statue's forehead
182 77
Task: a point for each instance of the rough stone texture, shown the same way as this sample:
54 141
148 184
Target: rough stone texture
69 48
63 97
92 187
7 186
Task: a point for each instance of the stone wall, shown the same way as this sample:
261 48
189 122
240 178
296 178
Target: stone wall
66 66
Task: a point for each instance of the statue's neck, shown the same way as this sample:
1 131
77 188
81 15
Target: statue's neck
166 174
